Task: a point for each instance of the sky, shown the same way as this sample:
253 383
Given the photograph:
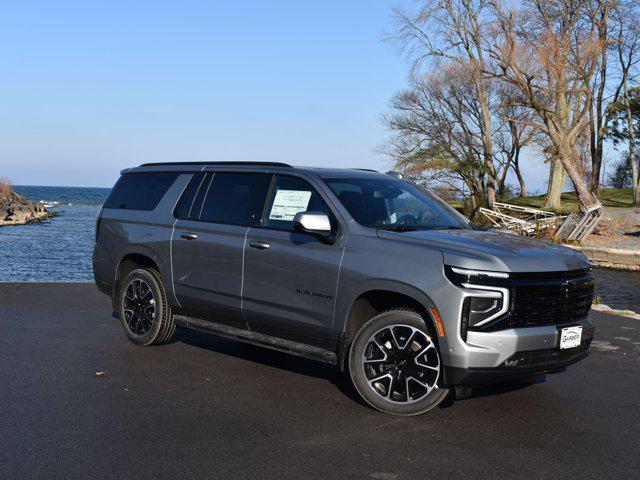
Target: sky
90 88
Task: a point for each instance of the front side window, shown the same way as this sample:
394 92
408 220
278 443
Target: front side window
392 204
289 196
234 198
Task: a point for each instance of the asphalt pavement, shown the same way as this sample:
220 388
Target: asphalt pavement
77 400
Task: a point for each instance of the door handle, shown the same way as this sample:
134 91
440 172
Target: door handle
259 245
189 236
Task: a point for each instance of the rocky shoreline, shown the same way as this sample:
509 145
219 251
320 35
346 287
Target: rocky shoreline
16 209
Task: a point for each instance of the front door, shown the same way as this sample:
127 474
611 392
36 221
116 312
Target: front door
208 243
291 278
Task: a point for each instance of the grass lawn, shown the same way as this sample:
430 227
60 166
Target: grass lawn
613 198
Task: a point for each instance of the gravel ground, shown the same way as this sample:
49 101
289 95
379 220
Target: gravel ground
622 231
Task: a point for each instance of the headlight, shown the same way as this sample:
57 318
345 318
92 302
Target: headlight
477 310
486 297
473 274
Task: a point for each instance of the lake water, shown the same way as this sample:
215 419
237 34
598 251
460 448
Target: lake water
60 249
619 290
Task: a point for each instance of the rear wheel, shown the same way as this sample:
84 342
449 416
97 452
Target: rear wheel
144 311
395 364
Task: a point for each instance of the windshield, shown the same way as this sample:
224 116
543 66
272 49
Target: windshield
393 204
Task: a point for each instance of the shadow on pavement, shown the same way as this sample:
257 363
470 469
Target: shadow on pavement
312 368
271 358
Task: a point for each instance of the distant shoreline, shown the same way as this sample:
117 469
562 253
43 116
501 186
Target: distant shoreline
21 185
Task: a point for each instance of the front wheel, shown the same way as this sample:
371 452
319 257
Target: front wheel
395 364
144 311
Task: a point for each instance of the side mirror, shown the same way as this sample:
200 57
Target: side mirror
314 223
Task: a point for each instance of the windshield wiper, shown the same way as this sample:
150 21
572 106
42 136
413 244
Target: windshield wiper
413 228
399 228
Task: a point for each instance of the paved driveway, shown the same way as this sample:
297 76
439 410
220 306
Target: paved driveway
205 407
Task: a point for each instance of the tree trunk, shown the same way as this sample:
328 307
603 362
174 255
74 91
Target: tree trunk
557 178
597 142
595 161
523 188
569 158
632 151
596 158
488 155
516 169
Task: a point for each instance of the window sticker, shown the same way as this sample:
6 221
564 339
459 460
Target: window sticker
289 202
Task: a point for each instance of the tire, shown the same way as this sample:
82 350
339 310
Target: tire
395 364
144 311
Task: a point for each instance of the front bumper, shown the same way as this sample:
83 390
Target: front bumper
507 355
471 377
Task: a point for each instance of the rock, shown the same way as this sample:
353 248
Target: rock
18 210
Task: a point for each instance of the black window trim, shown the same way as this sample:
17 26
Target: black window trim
318 191
213 174
204 199
181 198
259 225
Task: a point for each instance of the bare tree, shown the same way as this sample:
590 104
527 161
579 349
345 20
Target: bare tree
600 13
512 135
437 132
627 48
454 30
436 137
548 51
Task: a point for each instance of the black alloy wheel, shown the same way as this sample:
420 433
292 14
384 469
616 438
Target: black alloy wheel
144 311
395 363
139 307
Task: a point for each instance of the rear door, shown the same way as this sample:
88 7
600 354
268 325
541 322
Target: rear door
291 278
214 216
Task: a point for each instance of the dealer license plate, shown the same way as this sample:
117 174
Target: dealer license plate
570 337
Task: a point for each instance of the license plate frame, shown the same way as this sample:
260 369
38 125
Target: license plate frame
570 337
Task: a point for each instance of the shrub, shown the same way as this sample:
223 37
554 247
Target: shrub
5 187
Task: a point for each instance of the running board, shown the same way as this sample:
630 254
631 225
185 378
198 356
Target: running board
259 339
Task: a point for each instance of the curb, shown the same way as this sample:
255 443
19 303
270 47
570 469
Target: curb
623 313
611 257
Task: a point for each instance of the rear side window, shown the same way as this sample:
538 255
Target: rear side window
140 191
188 205
289 196
235 198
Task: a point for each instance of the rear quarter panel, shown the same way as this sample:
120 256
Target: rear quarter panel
124 232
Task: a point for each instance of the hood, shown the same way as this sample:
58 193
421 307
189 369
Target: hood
498 251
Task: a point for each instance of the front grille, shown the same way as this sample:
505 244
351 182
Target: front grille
546 357
549 298
536 276
549 305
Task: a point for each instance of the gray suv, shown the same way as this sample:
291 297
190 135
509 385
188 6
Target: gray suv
356 268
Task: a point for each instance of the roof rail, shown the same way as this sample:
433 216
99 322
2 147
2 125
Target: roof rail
366 170
259 164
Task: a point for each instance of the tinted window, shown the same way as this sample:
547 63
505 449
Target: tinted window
289 196
140 191
235 198
190 202
393 204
